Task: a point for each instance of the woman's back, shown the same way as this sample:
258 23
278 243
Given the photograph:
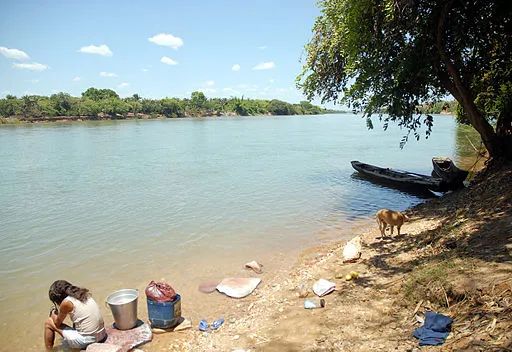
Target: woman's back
86 317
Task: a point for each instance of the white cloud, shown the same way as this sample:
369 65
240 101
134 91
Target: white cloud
167 40
98 50
209 83
144 70
34 81
123 85
35 66
265 66
107 74
168 61
13 53
272 80
262 47
76 79
236 67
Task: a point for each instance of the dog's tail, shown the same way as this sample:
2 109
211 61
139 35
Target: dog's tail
377 218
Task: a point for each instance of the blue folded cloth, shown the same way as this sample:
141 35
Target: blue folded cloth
435 330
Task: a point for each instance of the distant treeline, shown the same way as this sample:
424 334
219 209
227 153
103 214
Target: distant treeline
441 107
97 104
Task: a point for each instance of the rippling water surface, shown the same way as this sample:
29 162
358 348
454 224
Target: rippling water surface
113 205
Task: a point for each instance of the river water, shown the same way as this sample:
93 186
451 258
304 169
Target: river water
113 205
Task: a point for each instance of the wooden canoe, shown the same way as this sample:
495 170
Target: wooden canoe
400 178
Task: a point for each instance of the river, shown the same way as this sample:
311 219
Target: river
112 205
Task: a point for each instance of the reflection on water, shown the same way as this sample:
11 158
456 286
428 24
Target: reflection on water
467 146
419 192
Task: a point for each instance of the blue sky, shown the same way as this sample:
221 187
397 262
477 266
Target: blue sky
155 48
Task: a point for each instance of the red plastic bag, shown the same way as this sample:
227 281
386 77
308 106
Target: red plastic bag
160 292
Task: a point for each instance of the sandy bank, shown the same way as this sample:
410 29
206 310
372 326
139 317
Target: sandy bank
454 258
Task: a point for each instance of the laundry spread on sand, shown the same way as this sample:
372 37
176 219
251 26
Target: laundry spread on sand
238 287
352 250
123 340
208 287
435 330
255 266
323 287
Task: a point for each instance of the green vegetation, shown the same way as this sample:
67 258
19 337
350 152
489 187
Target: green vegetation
97 104
434 281
440 107
392 56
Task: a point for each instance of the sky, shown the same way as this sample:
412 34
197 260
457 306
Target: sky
157 49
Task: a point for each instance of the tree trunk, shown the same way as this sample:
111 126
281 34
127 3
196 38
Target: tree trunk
462 93
480 124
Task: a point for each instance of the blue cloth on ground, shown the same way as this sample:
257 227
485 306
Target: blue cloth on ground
435 330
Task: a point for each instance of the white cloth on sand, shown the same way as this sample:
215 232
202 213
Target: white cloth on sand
352 250
255 266
323 287
238 287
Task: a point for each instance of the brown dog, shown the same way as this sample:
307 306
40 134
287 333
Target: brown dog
386 217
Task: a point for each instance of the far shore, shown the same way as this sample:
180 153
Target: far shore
12 120
101 117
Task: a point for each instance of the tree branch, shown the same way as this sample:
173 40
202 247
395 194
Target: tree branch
452 71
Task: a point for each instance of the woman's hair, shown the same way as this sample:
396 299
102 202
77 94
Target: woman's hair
61 289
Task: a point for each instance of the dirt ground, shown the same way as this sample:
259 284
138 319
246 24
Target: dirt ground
454 257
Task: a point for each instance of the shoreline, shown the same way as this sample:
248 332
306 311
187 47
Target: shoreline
379 310
277 297
259 303
117 268
19 120
274 297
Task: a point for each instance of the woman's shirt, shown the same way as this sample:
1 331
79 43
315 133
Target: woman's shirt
86 317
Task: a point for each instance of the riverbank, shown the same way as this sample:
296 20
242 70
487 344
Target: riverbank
187 201
454 258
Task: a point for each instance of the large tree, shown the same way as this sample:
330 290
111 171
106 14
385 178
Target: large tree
99 94
393 55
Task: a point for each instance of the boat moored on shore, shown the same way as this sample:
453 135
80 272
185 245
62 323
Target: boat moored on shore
445 177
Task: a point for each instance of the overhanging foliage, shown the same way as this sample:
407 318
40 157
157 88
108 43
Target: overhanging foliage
395 55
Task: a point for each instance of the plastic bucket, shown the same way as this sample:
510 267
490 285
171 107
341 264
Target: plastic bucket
164 315
123 304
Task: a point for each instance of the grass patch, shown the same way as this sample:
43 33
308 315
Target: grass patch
434 282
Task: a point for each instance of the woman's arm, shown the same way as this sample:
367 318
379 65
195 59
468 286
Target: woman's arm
65 308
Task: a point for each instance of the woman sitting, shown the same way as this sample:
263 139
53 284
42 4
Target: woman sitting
88 325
